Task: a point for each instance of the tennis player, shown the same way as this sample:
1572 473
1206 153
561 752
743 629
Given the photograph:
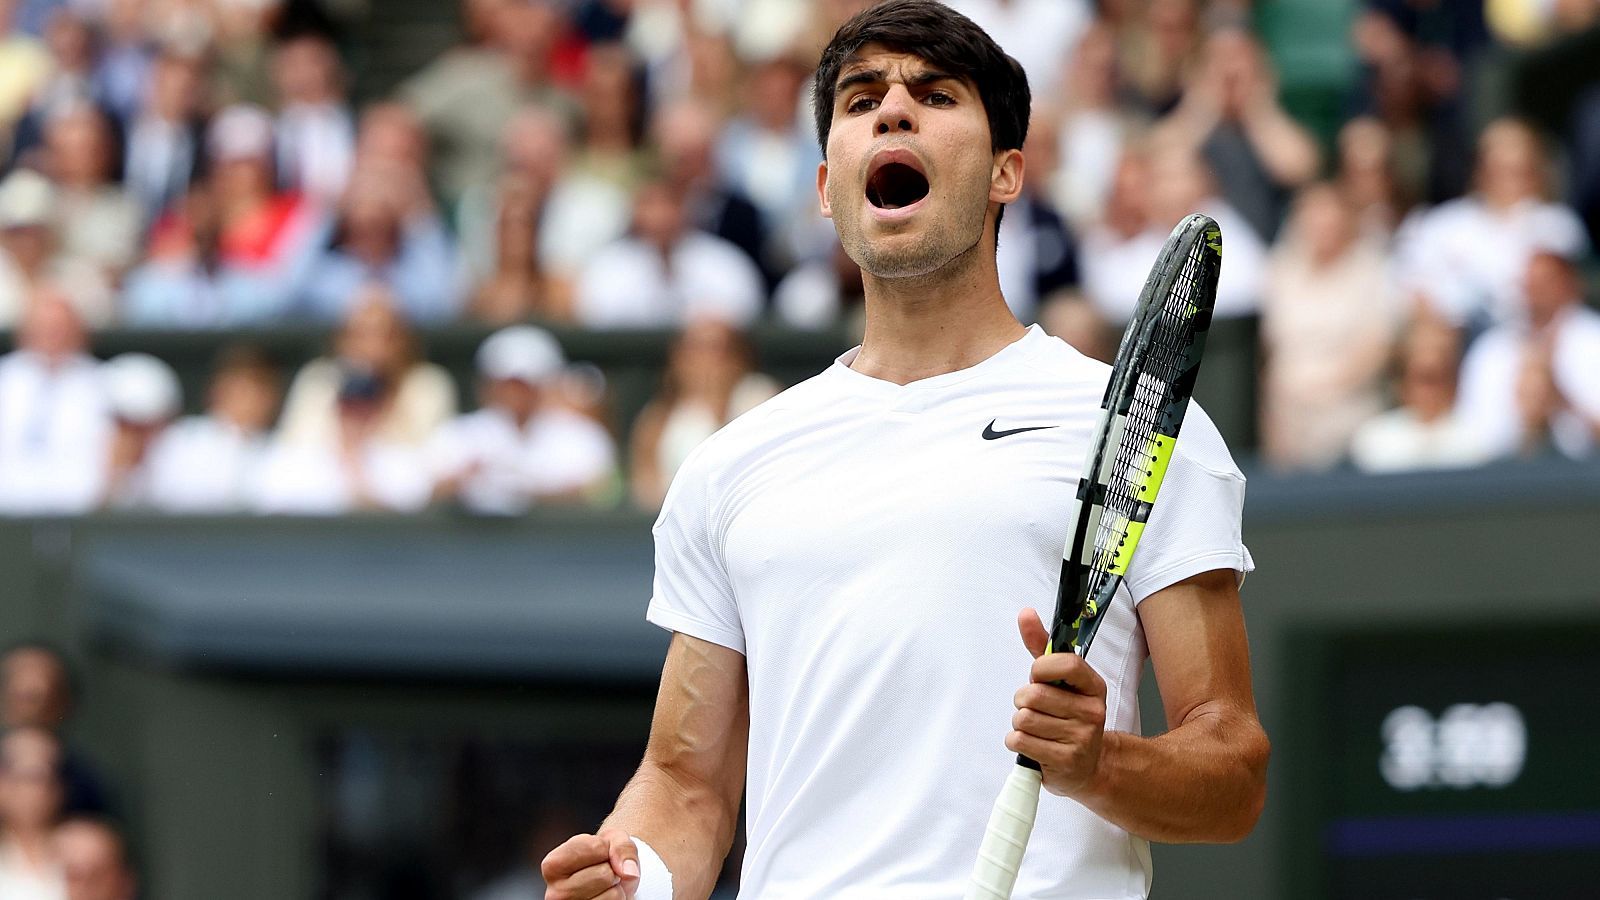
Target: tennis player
841 566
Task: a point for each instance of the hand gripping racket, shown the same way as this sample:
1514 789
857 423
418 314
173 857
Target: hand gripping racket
1152 379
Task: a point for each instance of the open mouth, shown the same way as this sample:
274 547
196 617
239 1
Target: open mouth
895 185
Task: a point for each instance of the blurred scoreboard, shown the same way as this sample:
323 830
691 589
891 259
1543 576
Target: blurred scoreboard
1448 764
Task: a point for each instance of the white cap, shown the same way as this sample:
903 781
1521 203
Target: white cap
142 389
521 353
26 198
241 131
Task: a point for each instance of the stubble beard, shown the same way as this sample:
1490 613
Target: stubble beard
935 248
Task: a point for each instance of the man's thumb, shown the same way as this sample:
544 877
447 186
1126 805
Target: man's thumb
624 858
1034 635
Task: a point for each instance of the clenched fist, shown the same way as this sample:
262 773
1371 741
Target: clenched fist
602 866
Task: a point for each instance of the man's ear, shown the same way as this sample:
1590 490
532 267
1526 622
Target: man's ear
1005 180
822 189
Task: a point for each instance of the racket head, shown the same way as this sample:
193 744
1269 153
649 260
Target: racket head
1142 411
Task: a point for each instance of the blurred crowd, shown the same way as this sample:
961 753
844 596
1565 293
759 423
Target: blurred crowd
1419 276
57 841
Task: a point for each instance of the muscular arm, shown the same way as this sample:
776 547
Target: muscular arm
684 800
1204 780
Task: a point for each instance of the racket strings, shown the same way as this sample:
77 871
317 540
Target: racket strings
1151 395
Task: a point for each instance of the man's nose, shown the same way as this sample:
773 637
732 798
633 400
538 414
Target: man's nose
897 112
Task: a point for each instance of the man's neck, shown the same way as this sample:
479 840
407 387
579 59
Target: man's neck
942 322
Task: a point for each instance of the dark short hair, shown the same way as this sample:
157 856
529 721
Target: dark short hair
941 37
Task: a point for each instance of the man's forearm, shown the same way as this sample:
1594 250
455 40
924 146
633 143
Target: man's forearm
1202 782
686 821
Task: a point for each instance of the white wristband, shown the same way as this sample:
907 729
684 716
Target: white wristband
655 879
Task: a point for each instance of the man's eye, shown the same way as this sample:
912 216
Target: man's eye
940 98
862 103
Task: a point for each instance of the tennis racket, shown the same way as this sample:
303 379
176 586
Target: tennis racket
1152 379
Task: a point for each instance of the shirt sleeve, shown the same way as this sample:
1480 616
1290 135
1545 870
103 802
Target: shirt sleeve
1196 524
692 593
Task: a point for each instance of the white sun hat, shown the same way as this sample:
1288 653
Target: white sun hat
520 353
142 389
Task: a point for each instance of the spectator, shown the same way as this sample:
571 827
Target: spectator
412 398
94 860
387 234
1366 176
1159 46
355 468
770 156
165 135
1414 78
391 136
210 463
514 285
527 236
122 74
235 252
30 256
71 81
239 34
686 135
1091 129
1468 255
666 273
708 69
1230 114
521 447
1154 189
315 132
54 422
1037 253
1425 431
611 116
24 68
36 691
1033 32
30 806
1327 320
99 222
464 98
35 688
823 294
145 398
1527 387
710 380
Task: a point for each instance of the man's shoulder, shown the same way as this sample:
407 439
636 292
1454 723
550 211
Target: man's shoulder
791 412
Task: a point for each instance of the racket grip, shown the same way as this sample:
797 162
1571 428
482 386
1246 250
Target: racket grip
1000 855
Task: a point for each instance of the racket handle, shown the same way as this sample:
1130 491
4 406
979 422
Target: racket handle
1000 856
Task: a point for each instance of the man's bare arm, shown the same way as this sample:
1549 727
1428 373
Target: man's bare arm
684 800
1204 780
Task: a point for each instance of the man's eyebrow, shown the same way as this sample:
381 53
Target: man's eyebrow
876 76
929 76
860 76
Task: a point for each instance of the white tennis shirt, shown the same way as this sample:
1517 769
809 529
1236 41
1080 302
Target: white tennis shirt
867 549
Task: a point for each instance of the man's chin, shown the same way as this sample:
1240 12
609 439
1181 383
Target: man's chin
898 263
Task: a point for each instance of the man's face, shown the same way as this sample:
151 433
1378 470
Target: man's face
30 786
1549 285
35 690
91 861
910 174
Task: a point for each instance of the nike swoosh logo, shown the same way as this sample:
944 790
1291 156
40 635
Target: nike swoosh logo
989 434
